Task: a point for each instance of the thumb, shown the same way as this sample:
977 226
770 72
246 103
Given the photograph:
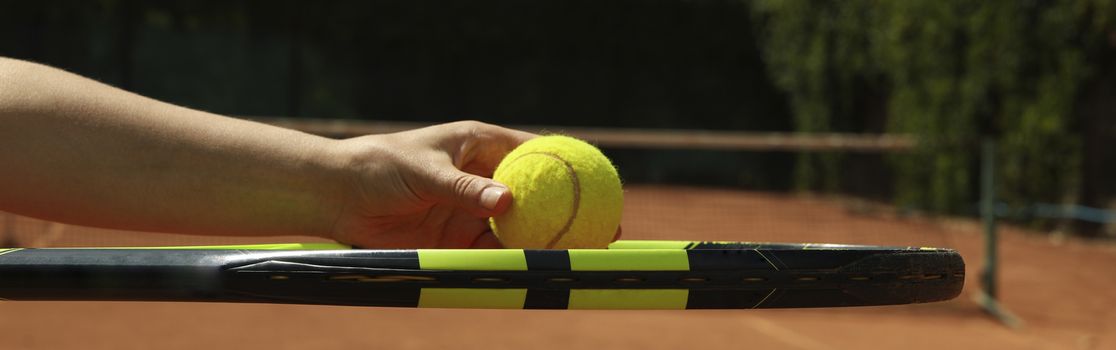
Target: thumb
478 195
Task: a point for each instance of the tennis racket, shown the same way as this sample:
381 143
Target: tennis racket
627 275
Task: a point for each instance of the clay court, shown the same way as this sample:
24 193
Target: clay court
1060 288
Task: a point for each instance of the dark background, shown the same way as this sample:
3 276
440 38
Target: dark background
1038 77
612 63
563 63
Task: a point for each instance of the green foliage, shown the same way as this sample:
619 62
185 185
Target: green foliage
951 72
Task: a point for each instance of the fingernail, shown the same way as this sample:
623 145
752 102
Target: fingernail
490 196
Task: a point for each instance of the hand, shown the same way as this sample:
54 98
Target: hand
428 188
134 163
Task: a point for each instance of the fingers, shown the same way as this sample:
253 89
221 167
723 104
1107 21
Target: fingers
452 165
486 240
462 230
473 149
477 148
479 196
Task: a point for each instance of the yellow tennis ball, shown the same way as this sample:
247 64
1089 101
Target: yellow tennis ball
565 194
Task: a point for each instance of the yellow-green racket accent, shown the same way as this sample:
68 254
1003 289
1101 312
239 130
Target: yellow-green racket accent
629 260
270 246
472 259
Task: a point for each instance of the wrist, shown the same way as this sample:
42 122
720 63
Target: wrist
327 168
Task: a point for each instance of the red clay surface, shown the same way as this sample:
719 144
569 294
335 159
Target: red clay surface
1063 290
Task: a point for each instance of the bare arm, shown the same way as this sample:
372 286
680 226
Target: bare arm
78 151
82 152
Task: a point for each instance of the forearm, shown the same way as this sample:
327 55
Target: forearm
78 151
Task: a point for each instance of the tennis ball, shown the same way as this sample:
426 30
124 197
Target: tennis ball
565 194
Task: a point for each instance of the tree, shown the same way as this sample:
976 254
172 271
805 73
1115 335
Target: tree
949 72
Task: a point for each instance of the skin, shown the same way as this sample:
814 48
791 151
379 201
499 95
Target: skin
77 151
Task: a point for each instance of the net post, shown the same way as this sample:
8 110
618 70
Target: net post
988 296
